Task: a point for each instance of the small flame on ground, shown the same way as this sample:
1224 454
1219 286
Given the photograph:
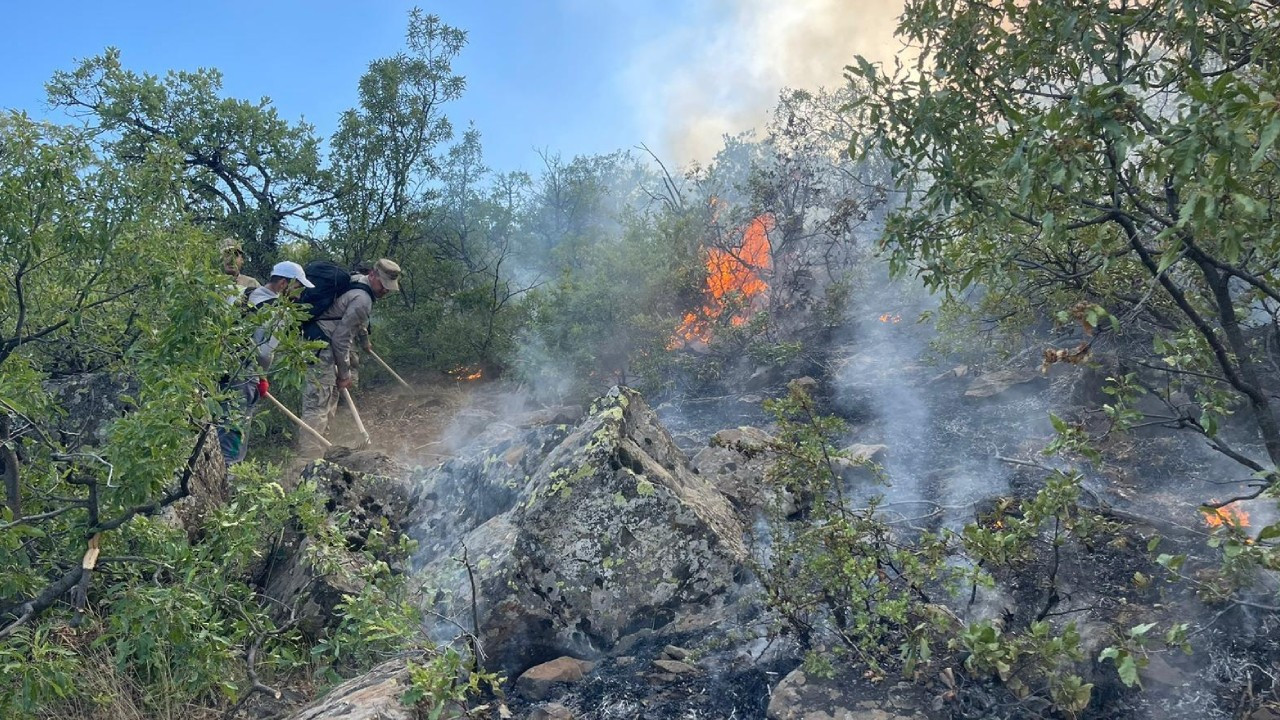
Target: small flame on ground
893 318
466 374
1225 515
728 273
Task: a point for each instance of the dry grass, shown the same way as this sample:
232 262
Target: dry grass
108 694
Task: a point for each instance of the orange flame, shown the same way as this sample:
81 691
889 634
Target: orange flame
1227 514
730 273
894 318
466 374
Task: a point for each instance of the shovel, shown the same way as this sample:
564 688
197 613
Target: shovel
346 395
280 406
386 367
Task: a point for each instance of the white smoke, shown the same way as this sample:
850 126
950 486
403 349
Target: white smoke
722 74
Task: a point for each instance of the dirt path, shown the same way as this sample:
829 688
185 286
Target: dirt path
422 425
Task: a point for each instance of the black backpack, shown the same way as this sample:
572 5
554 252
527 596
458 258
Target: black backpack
331 281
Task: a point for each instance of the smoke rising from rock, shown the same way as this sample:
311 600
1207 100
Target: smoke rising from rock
722 74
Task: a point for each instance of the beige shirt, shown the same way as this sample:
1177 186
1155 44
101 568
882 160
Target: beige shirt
344 321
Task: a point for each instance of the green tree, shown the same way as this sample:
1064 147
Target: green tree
247 171
385 151
1110 163
105 271
460 307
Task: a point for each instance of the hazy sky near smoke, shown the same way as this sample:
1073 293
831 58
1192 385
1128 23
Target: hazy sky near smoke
722 73
569 76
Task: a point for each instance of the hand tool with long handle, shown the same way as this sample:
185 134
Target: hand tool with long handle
387 367
280 406
346 395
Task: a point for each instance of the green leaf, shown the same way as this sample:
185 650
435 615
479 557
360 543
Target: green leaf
1141 630
1128 670
1265 141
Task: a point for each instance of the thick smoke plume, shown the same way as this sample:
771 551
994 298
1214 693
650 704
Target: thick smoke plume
721 74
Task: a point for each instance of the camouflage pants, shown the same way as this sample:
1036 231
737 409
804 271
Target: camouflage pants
319 402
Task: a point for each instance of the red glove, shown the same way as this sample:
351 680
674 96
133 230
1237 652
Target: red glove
263 386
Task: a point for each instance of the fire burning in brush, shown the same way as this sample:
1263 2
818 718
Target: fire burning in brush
466 374
730 274
1226 515
891 318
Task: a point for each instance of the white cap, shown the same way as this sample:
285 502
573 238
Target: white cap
291 270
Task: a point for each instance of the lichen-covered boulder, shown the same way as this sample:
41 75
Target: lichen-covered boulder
735 461
612 532
464 493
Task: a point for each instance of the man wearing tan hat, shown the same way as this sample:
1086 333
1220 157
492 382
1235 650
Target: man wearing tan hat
233 258
345 321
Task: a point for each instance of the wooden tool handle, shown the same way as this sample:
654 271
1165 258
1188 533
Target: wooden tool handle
387 367
280 406
346 395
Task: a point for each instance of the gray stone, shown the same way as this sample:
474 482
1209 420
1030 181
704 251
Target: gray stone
1001 381
954 373
866 453
735 461
551 711
675 652
373 504
799 697
746 440
610 533
675 667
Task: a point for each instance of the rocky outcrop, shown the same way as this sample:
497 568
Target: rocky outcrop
91 402
377 510
208 487
609 531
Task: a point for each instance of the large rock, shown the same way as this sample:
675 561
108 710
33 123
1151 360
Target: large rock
374 695
609 532
466 492
536 682
801 697
91 402
376 510
208 488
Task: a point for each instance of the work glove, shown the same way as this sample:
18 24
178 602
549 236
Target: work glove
263 386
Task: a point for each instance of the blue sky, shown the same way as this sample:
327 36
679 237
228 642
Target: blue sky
571 76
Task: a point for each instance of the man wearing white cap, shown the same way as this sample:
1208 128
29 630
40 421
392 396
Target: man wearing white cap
287 279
